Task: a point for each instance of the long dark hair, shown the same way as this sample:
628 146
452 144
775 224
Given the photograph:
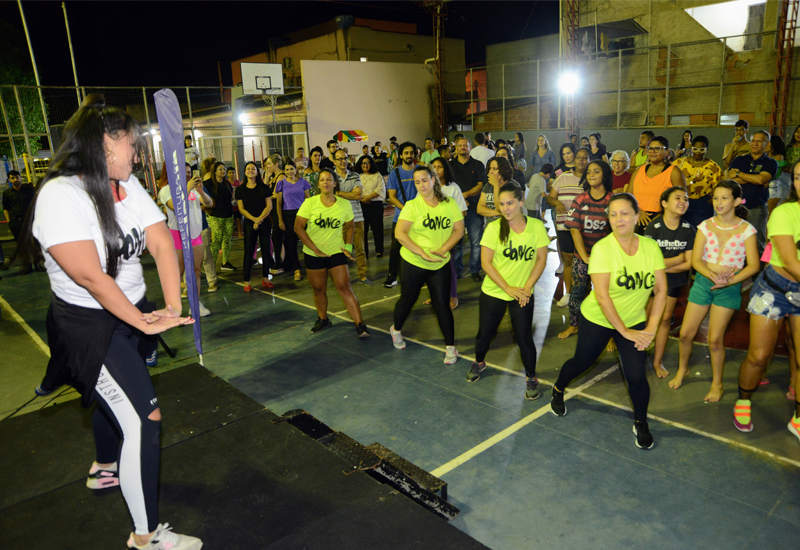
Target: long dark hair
667 194
607 176
437 185
448 172
736 190
568 145
792 140
259 181
83 153
372 167
505 229
214 182
503 167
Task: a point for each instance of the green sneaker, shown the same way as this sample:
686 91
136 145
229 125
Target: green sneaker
475 371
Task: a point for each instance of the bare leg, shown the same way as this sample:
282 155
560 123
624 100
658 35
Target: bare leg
717 325
567 259
197 252
794 324
763 336
791 394
341 280
692 318
662 336
319 283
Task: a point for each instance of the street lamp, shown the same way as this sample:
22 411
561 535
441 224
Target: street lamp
568 83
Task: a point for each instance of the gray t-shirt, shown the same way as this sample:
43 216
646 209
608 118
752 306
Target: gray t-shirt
536 186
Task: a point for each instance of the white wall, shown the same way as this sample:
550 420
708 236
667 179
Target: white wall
382 99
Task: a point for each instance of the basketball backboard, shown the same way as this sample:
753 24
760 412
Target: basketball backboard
262 78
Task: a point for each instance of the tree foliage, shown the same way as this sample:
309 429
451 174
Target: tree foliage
15 69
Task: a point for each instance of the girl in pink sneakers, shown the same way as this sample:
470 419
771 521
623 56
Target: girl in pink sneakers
775 295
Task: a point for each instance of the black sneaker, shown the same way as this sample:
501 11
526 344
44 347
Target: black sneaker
475 371
227 266
477 277
532 391
362 331
557 406
390 282
321 325
644 439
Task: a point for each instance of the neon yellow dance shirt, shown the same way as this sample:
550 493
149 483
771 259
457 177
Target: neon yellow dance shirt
784 220
430 229
632 279
514 259
325 224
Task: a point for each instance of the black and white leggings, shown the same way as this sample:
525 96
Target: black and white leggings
125 398
592 340
491 312
412 278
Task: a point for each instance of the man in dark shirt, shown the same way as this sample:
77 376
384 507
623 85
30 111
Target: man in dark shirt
754 172
470 175
327 162
16 200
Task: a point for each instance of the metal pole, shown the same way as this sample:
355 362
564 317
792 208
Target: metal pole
503 82
538 99
666 95
272 99
150 144
721 81
471 102
35 74
22 121
619 85
8 128
71 52
191 116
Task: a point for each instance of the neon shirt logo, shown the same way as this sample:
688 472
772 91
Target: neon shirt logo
520 253
637 280
327 223
436 223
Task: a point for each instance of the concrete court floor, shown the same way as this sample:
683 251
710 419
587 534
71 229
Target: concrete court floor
522 477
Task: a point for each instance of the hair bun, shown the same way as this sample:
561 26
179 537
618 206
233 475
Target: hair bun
94 100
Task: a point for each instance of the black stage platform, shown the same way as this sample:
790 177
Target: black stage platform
229 475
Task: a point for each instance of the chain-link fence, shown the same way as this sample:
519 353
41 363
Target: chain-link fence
32 118
706 83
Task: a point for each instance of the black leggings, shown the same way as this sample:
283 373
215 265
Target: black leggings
125 398
291 262
250 236
412 278
373 219
592 340
491 311
277 239
394 256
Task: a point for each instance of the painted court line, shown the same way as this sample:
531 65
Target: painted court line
449 466
362 306
497 438
715 437
39 342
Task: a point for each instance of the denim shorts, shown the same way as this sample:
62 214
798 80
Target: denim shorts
768 296
702 295
779 187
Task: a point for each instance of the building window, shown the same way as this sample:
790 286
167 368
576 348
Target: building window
728 119
679 120
755 23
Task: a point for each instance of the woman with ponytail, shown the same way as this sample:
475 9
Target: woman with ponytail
722 246
513 255
91 220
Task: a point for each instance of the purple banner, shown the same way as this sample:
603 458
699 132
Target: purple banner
170 124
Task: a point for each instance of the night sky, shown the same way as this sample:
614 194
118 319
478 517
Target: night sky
179 43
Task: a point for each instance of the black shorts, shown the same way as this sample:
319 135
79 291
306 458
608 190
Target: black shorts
314 262
565 242
674 291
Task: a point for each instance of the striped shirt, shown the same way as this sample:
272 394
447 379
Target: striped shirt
590 216
567 187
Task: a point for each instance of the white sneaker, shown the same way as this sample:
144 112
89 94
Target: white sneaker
397 338
564 301
165 539
451 355
204 311
560 269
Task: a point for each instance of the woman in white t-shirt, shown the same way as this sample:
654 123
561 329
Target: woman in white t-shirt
197 198
452 190
91 221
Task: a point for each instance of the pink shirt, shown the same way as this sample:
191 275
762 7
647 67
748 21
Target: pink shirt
730 254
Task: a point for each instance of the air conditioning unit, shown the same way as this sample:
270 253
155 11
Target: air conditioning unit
287 62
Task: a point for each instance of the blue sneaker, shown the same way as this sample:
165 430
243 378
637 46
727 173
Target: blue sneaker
152 359
41 392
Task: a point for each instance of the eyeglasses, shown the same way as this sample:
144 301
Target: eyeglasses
699 149
655 149
340 159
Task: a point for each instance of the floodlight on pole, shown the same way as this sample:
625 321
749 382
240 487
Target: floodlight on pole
243 118
568 83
